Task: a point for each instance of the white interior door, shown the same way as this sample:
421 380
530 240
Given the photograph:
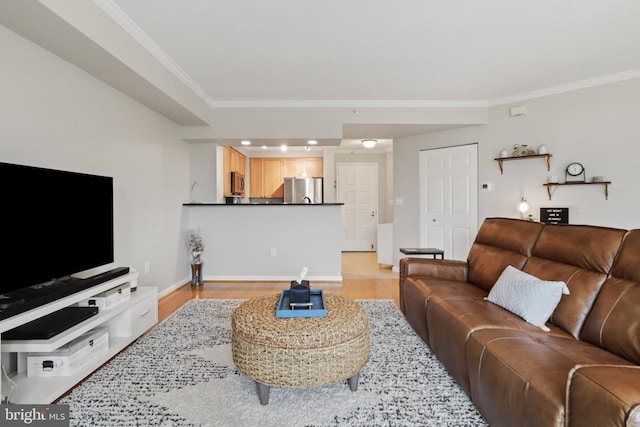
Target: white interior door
449 199
357 188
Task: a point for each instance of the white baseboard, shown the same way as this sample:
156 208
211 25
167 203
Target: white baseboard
179 284
173 287
272 278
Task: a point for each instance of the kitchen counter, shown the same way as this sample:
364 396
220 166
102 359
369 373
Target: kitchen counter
268 242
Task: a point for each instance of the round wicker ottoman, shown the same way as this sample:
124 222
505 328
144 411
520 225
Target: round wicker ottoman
300 352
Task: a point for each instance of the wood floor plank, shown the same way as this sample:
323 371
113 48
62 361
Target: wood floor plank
363 278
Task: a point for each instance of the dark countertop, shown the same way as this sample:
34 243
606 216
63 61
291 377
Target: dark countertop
263 204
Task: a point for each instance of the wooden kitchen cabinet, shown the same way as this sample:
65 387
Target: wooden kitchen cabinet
303 167
267 173
273 178
267 179
256 167
233 161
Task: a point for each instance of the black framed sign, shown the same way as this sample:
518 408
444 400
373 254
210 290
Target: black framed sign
554 215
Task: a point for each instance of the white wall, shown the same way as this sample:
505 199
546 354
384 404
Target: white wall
57 116
203 160
239 240
598 127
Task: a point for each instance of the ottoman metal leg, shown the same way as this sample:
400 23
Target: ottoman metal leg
353 382
263 393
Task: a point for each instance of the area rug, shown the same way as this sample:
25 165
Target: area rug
181 374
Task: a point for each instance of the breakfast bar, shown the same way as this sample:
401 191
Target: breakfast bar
263 242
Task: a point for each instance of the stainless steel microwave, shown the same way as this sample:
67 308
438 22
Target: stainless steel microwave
237 183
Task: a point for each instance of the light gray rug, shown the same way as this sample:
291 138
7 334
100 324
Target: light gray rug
181 374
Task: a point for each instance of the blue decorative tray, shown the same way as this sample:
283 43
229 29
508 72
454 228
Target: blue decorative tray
318 309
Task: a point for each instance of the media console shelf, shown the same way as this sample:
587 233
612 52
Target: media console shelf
125 322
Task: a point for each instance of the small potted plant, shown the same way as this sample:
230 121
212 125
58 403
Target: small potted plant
196 248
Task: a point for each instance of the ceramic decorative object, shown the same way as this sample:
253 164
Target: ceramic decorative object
542 149
524 150
504 153
516 150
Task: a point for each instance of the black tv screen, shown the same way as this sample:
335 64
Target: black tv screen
55 223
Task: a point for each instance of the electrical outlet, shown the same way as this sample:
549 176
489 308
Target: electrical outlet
147 267
274 252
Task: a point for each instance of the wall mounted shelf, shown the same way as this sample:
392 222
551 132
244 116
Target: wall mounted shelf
557 184
547 158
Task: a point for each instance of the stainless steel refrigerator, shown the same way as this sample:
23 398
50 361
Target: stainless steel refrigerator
303 190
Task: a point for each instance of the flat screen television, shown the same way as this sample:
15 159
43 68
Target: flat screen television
56 224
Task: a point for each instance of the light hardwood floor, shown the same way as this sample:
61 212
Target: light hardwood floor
363 278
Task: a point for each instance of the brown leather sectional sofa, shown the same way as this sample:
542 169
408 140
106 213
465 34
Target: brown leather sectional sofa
583 372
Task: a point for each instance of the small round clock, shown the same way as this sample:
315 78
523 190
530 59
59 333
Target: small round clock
575 173
575 169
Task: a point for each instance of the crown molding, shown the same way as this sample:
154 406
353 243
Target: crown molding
569 87
121 18
349 104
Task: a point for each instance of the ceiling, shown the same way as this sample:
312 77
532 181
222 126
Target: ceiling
384 52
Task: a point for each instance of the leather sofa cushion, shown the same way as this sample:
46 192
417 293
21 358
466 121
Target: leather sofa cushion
504 242
581 256
452 320
626 266
418 290
585 246
614 321
529 370
583 285
603 396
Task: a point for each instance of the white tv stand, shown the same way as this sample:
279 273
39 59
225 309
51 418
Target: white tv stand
125 322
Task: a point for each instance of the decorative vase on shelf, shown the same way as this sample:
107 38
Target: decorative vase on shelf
516 150
196 274
504 153
542 149
524 150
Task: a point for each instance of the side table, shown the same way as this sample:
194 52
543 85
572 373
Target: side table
423 251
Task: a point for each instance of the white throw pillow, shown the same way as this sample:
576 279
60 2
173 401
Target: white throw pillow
527 296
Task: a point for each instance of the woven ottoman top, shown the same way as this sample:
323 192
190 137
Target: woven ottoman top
255 320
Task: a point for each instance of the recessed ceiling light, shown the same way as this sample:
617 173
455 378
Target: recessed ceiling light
369 143
312 142
283 147
245 142
264 147
307 148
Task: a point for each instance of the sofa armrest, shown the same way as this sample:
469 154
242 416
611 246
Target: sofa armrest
441 269
604 395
